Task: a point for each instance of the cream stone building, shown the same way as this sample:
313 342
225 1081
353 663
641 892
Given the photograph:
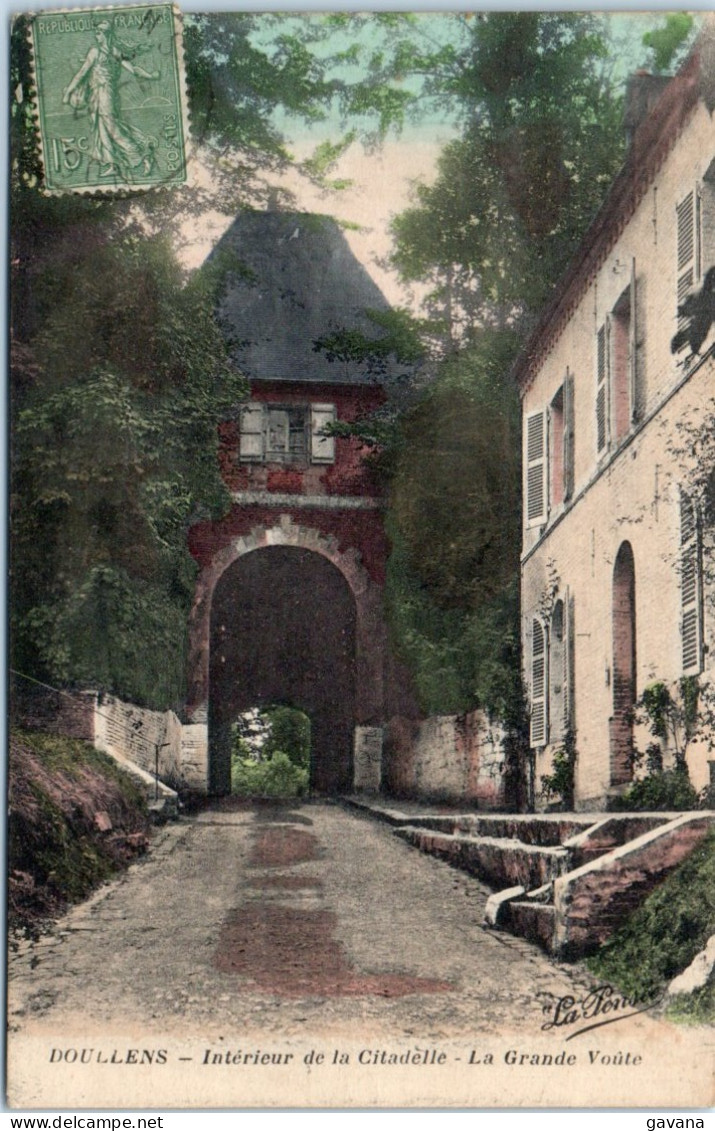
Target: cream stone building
616 590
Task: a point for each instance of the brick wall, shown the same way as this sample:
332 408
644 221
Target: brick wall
67 713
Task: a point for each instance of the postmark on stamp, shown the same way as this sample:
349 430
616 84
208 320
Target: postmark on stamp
110 98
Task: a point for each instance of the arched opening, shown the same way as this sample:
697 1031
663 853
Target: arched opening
270 752
283 632
624 665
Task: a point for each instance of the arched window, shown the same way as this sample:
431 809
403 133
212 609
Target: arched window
624 665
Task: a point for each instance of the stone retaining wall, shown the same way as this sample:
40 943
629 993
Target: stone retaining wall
592 901
120 729
455 758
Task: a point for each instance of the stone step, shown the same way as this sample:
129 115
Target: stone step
497 861
576 913
532 921
545 831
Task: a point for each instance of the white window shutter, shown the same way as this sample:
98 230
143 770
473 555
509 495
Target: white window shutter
687 251
569 437
538 684
251 439
602 379
690 586
569 662
322 448
535 465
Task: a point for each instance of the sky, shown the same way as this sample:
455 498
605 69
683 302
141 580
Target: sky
381 180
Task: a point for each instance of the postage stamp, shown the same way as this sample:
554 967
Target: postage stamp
110 98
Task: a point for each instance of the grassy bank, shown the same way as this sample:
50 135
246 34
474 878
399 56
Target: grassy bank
74 820
662 937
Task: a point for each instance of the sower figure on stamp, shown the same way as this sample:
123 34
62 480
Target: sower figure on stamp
117 146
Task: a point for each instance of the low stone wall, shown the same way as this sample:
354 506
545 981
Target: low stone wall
127 731
455 758
496 861
592 901
120 729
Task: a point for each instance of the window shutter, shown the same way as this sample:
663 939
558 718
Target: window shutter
690 586
538 684
688 248
602 368
536 467
322 448
251 440
569 662
633 349
569 437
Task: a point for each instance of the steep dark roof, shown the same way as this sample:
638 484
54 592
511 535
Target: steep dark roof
289 279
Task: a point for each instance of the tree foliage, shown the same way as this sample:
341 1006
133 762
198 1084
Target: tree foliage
454 524
115 454
540 141
665 43
540 144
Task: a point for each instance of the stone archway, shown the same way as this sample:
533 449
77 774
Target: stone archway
370 633
283 631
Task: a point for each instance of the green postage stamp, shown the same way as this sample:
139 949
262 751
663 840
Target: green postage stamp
110 98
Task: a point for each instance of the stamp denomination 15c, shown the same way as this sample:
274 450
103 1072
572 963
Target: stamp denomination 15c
110 98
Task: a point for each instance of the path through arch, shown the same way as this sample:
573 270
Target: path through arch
283 624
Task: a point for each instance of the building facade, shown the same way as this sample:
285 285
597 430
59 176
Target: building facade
617 389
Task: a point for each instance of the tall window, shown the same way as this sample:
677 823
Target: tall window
535 465
602 390
552 673
617 391
623 619
569 437
549 455
556 449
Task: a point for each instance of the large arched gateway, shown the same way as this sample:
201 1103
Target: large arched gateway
283 630
288 601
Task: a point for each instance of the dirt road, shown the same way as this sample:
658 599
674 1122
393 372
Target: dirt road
300 924
278 917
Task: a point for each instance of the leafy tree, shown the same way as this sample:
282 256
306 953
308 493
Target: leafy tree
667 41
289 732
115 454
452 595
540 144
